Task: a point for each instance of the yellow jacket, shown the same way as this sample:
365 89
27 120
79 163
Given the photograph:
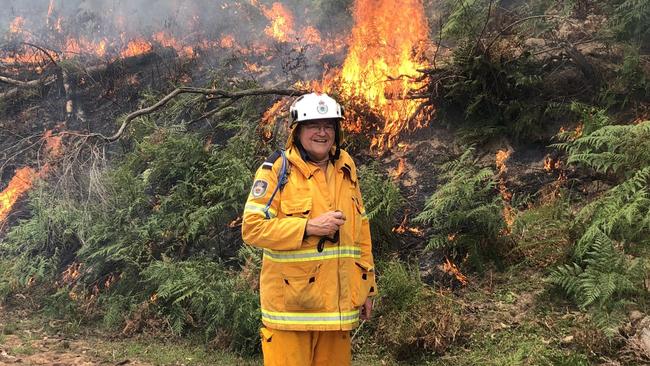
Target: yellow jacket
301 288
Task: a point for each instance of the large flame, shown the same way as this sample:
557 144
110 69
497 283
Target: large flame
281 27
383 59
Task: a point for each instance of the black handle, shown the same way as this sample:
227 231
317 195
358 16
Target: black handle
321 242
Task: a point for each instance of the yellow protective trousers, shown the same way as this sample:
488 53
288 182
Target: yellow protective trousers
306 348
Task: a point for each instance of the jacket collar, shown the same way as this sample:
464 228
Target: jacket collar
344 163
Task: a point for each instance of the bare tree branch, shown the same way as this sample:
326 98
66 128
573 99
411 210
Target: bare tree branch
209 93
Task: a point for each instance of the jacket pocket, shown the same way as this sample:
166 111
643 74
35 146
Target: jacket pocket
296 207
362 283
303 292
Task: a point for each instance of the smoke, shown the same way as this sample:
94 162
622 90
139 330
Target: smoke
317 38
137 18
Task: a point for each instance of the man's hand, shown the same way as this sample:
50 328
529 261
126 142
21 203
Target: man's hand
326 224
366 309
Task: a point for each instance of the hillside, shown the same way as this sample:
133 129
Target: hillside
503 151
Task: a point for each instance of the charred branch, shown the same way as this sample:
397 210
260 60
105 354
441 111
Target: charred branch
26 85
210 94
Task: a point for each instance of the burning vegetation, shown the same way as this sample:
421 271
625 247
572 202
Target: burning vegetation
142 129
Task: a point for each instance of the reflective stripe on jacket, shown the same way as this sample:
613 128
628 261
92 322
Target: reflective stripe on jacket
301 288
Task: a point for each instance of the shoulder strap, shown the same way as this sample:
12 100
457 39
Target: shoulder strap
283 176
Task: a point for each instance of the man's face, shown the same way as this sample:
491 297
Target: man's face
317 137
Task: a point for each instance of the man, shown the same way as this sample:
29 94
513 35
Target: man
305 210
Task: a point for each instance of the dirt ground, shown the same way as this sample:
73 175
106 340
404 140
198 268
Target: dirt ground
25 342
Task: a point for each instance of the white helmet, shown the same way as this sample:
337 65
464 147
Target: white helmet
315 106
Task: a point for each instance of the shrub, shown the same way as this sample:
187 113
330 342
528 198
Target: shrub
202 294
615 227
465 211
382 200
411 316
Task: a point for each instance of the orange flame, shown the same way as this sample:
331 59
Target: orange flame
136 47
381 63
281 27
24 177
400 168
451 268
17 25
168 41
227 41
19 184
508 212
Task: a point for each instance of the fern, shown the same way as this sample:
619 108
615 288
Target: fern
382 200
203 294
465 211
615 226
604 274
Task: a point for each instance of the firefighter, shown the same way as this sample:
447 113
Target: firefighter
305 210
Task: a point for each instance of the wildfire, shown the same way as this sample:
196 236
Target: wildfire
24 177
400 169
453 270
381 62
136 47
508 212
227 41
19 184
281 27
17 25
271 115
168 41
551 164
403 228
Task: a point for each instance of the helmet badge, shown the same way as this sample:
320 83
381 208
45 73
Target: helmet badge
322 107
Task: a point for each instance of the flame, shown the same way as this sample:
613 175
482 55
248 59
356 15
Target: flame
136 47
227 41
400 169
271 115
501 157
252 67
17 25
508 212
52 144
72 273
403 228
24 177
311 35
167 40
451 268
551 164
19 184
281 27
381 61
50 9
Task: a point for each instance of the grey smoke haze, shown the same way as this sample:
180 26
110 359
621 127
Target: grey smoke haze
132 18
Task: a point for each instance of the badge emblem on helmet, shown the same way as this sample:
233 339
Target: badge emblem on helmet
322 107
